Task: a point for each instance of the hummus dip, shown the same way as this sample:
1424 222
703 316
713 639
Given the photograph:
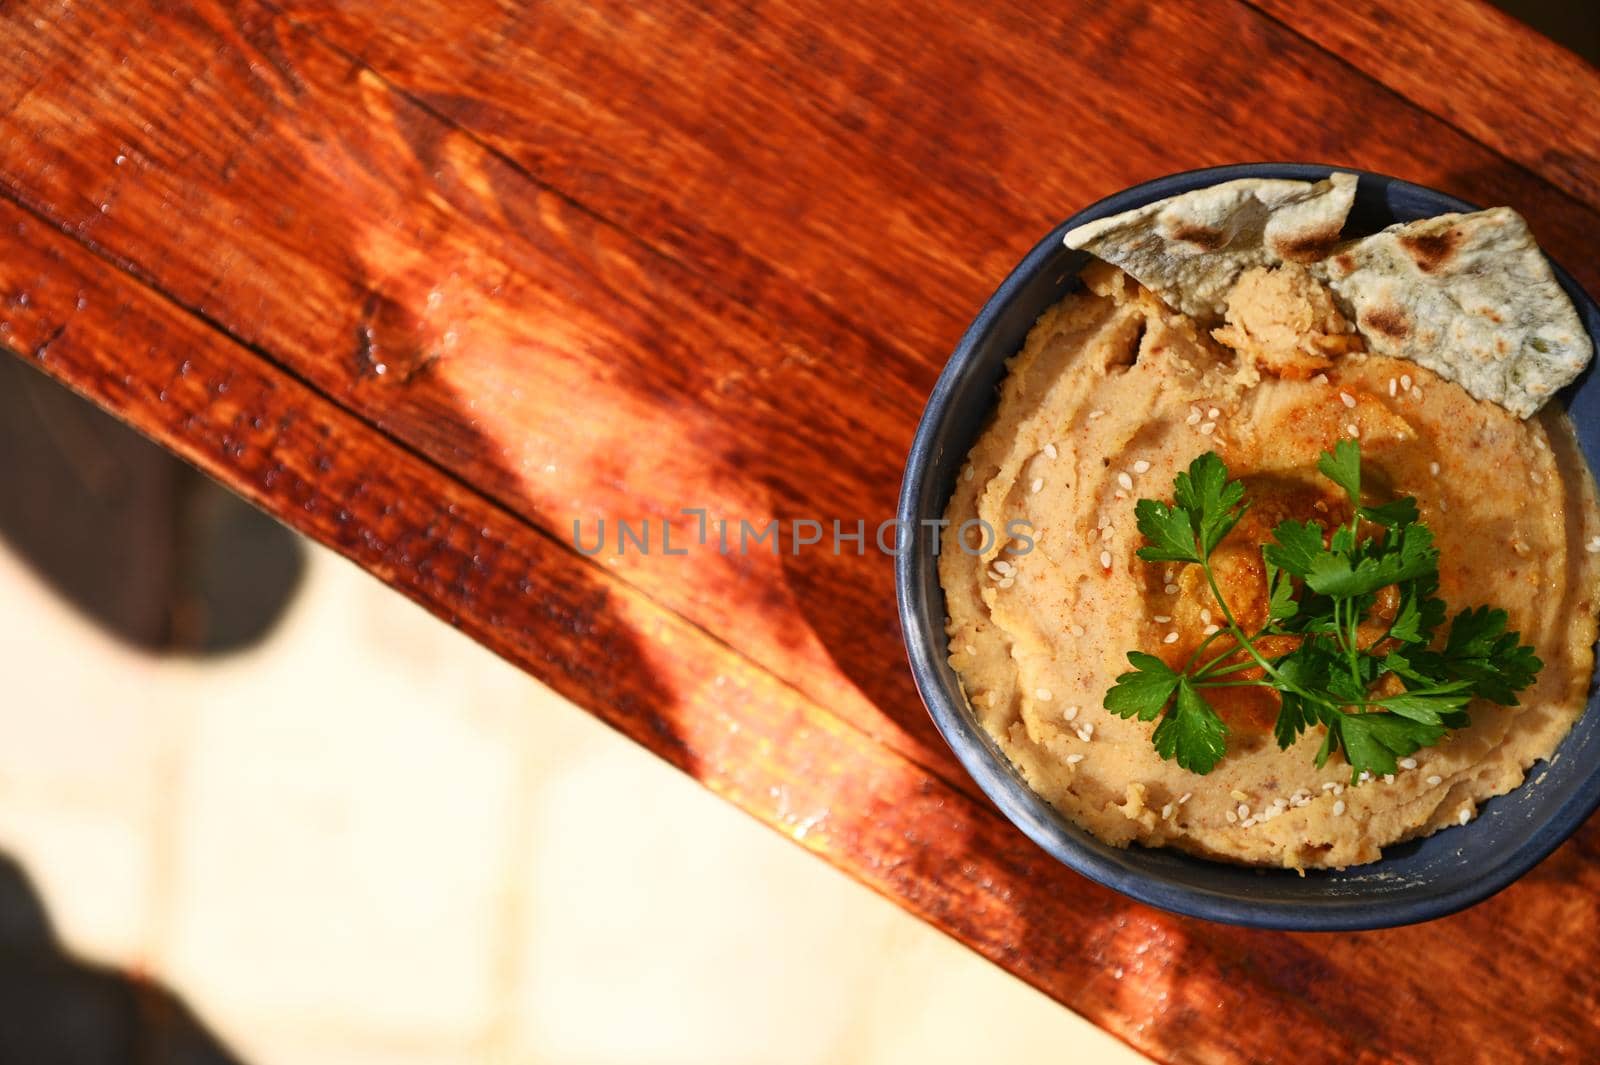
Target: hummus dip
1110 397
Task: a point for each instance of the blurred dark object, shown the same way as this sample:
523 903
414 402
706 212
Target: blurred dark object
1573 26
56 1009
153 551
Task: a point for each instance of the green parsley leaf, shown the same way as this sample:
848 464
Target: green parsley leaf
1497 663
1296 544
1170 531
1344 576
1431 704
1394 514
1212 501
1281 603
1343 467
1371 741
1191 734
1144 692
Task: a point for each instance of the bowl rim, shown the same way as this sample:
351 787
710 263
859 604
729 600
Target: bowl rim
988 765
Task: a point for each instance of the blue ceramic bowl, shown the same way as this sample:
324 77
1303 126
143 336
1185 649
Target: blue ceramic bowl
1415 881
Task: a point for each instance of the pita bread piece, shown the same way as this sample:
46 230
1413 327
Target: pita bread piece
1469 296
1190 249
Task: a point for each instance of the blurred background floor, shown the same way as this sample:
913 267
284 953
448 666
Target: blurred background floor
262 809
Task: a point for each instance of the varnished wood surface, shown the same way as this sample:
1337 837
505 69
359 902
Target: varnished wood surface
432 281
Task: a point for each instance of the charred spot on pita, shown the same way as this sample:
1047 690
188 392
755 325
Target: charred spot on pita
1390 321
1431 251
1307 247
1203 237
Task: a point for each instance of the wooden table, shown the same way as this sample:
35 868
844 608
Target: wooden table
433 280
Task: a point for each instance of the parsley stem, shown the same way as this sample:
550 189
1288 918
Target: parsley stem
1202 646
1238 633
1282 683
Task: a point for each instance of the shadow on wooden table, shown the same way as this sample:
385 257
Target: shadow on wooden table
55 1008
150 550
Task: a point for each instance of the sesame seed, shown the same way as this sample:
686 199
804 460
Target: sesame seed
1416 394
1006 583
1320 379
1002 565
1086 731
1124 480
1238 795
1280 803
1069 713
1206 428
1105 560
1433 468
1096 414
1213 413
1043 695
1536 477
1076 630
1166 811
1233 818
1391 388
1141 466
1338 789
1465 816
1539 443
1405 381
1185 797
1211 630
1388 778
966 474
1038 483
1353 429
1102 522
971 650
1243 811
1247 822
1050 451
1108 532
1170 637
1074 759
1161 619
1327 785
1435 780
1338 808
1205 617
1172 589
1194 416
1408 763
1347 399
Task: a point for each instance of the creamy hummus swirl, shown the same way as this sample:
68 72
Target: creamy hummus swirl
1112 394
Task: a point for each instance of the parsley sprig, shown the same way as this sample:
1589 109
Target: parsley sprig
1380 682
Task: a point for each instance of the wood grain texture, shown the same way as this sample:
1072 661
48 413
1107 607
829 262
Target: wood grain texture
895 167
436 280
540 353
1489 75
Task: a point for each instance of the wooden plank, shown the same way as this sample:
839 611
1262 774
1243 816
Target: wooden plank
291 197
1483 71
896 161
1177 989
